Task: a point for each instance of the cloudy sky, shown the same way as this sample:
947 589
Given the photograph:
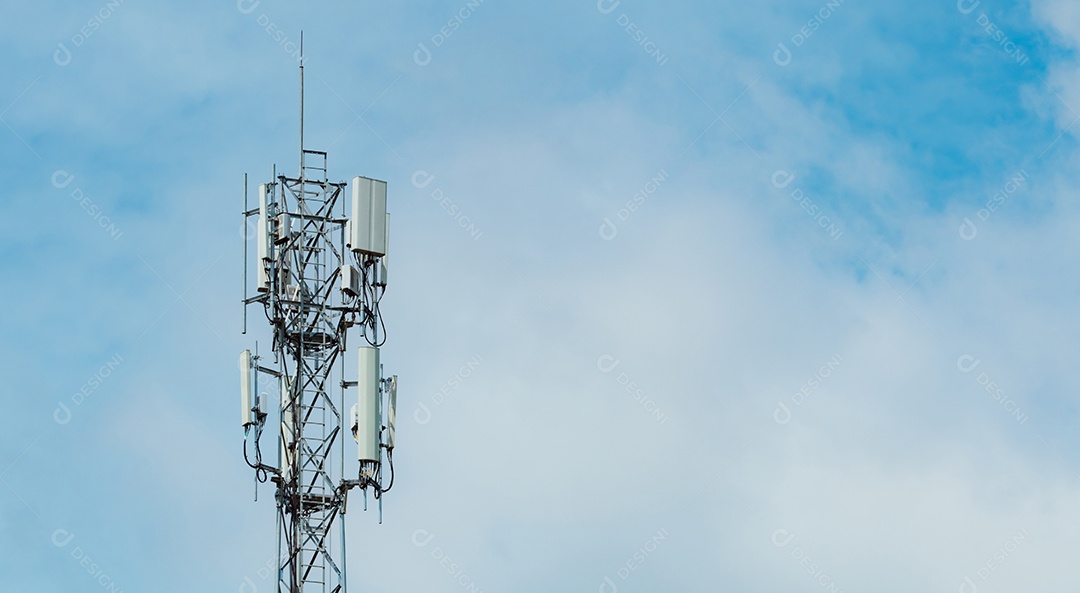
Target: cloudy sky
739 296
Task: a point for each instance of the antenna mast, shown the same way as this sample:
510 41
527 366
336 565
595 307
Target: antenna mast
301 103
320 277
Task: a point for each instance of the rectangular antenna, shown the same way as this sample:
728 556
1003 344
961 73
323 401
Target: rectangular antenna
391 414
369 216
367 404
262 228
245 389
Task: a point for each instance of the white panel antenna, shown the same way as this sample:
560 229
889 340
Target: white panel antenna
368 415
383 268
245 389
262 278
391 414
288 433
369 216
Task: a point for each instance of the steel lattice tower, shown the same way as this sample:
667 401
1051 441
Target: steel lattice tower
318 274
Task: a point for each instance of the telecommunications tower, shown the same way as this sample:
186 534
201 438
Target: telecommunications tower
319 276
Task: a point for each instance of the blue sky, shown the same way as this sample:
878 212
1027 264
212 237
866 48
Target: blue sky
839 286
